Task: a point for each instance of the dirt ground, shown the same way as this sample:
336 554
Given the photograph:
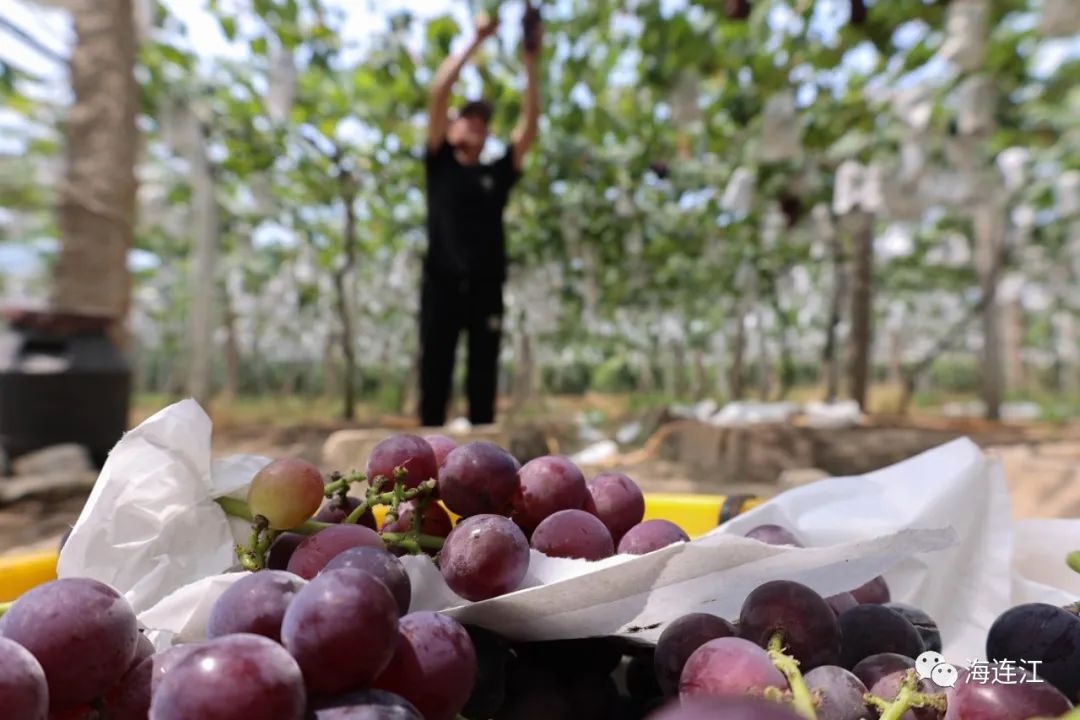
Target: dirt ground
1042 467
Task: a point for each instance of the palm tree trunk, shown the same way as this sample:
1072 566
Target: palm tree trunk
96 211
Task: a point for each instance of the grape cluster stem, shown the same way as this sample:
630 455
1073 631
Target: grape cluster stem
252 556
908 697
801 699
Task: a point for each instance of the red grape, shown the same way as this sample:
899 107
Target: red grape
651 535
872 629
316 550
282 549
342 630
888 687
435 522
479 478
923 623
82 633
169 658
236 677
24 693
335 511
434 666
573 534
286 492
774 535
841 602
810 630
143 649
678 642
840 692
410 452
365 705
130 698
969 700
383 566
728 666
441 446
873 668
1040 632
617 501
485 556
726 708
874 592
254 604
548 484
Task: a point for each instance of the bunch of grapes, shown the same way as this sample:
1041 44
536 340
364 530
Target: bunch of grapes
503 511
853 656
322 628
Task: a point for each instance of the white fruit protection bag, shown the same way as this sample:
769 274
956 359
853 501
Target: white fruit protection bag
938 527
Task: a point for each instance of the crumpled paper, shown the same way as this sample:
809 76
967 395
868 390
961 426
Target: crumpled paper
938 526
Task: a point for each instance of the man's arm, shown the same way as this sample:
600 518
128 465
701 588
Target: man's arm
525 134
443 85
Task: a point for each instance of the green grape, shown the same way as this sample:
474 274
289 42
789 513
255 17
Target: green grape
286 492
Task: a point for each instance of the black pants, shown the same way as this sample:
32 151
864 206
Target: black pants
445 310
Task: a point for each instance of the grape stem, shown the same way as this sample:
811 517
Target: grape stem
414 544
908 697
253 557
398 495
801 699
397 492
4 607
339 484
240 509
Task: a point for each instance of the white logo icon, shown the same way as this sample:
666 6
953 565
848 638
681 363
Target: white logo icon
944 675
932 666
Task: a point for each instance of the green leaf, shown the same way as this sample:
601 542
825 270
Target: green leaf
228 26
259 46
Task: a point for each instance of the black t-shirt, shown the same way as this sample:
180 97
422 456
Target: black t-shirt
466 237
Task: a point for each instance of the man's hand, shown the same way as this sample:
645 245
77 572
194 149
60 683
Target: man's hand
486 26
532 28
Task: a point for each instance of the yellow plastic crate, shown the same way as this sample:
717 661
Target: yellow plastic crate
696 514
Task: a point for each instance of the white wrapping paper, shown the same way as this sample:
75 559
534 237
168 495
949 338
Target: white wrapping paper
938 526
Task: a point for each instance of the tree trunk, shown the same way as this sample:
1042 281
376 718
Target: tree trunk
830 358
678 358
989 242
700 378
1066 352
738 349
207 226
896 355
348 385
329 371
232 351
862 309
764 363
523 367
96 213
1014 346
786 364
